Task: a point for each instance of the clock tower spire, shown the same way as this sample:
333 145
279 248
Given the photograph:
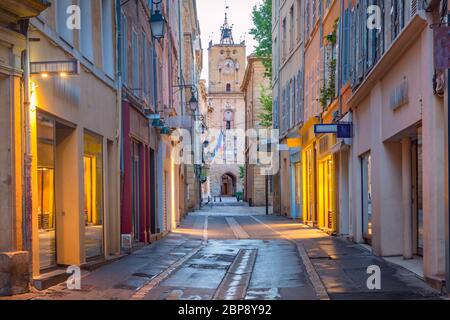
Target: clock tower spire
226 31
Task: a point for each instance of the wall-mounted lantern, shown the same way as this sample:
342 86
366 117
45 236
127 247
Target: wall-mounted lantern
157 23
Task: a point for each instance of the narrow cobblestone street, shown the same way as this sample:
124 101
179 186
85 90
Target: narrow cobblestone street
240 253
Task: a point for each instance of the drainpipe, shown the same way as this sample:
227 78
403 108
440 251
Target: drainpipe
28 158
119 116
340 44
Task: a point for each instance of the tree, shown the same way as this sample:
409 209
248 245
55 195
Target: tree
262 33
265 117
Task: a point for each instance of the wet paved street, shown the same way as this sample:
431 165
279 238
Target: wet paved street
240 253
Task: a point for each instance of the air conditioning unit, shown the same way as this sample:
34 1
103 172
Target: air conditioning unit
430 5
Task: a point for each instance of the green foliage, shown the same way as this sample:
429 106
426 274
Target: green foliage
328 91
262 33
265 99
242 173
332 37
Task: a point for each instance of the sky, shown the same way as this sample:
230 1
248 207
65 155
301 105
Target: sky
211 14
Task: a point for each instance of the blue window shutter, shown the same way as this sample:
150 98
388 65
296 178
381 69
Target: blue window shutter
346 48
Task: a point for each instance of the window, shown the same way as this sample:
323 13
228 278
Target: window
228 88
93 194
314 10
291 28
124 48
228 118
292 103
346 47
85 33
61 20
299 20
144 66
275 57
284 39
397 17
107 38
135 55
307 19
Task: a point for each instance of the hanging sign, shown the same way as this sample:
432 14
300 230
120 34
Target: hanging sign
342 130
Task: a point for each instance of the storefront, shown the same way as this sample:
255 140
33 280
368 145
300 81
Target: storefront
366 197
308 147
326 183
138 205
296 183
46 191
93 195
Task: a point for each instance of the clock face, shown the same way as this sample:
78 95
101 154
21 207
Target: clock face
228 66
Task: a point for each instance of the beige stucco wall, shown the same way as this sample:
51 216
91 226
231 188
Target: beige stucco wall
379 129
80 103
254 84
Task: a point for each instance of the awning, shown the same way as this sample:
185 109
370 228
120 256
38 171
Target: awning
339 146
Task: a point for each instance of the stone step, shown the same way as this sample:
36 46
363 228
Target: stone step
50 279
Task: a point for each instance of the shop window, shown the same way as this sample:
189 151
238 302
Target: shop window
46 192
93 195
366 175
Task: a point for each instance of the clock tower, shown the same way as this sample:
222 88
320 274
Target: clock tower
226 116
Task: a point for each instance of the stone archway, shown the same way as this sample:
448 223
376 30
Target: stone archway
228 185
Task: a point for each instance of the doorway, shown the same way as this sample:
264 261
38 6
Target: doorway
309 185
366 189
93 195
326 193
46 192
228 185
135 190
153 217
417 179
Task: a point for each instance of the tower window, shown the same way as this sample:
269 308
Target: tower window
228 87
228 125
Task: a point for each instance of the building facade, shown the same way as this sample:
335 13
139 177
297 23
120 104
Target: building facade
76 214
398 114
16 215
190 73
379 184
226 117
255 83
139 221
89 172
287 84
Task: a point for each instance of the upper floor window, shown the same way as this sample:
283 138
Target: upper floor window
228 87
228 117
299 20
107 37
284 38
86 45
291 28
62 7
124 48
135 55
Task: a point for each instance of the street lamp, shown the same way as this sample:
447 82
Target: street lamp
157 23
193 103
